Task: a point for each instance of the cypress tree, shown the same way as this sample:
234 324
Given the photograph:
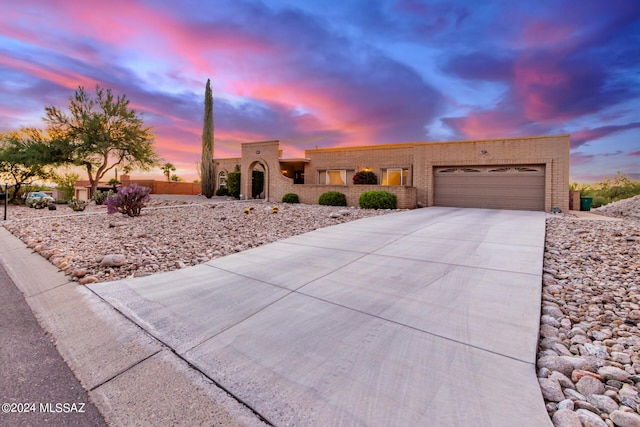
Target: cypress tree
208 178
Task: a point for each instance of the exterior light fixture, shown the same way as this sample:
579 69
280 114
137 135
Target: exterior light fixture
484 152
257 151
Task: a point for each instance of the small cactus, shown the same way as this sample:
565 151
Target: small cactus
274 209
251 208
246 211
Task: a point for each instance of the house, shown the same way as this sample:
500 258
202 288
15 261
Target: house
527 173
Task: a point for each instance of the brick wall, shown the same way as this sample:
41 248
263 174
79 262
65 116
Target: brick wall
164 187
419 158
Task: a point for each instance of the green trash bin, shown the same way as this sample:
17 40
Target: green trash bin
585 203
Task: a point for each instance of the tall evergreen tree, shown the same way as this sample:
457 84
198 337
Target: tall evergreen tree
208 178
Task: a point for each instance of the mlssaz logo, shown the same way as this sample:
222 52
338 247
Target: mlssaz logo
64 408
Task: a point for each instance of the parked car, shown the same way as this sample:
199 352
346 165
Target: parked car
38 200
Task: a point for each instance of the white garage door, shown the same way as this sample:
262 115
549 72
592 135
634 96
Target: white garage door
518 187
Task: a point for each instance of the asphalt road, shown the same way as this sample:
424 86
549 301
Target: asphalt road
37 388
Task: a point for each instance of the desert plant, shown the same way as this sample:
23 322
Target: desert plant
290 198
365 177
333 198
222 191
128 200
100 196
378 200
77 205
37 203
233 182
207 173
257 183
608 190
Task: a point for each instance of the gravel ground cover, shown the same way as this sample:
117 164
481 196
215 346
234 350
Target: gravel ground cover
588 355
170 233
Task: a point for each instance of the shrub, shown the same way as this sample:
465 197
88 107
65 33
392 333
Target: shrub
128 200
257 183
608 190
100 196
290 198
222 191
52 206
66 184
378 200
77 205
333 198
233 183
365 177
38 203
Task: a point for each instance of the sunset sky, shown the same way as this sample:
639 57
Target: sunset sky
336 73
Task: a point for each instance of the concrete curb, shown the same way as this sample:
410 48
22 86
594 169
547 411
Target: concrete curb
132 378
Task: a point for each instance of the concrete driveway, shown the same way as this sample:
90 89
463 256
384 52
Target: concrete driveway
424 317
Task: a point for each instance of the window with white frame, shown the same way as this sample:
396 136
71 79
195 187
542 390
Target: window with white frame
395 176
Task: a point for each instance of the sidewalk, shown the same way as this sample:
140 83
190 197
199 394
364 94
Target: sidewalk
428 316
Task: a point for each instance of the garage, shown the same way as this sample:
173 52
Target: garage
518 187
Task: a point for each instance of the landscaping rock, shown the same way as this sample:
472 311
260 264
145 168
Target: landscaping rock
566 418
625 419
113 260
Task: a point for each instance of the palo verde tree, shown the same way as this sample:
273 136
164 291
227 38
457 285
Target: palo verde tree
207 170
22 159
99 133
167 168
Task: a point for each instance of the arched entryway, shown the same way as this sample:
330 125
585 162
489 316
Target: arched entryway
258 182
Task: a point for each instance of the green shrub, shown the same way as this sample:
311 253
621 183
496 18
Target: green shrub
222 191
378 200
77 205
37 203
66 184
333 198
100 196
290 198
365 177
608 190
233 183
257 183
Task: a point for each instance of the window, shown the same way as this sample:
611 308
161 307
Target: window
336 177
222 179
395 176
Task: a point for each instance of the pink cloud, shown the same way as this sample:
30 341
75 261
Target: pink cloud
539 33
581 159
485 124
64 78
584 136
634 153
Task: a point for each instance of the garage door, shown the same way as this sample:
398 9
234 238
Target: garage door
518 187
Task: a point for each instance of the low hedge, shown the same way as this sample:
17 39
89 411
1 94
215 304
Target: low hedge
333 198
378 200
290 198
